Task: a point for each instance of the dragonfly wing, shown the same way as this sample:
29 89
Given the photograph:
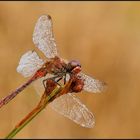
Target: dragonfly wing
43 36
71 107
92 85
68 105
29 64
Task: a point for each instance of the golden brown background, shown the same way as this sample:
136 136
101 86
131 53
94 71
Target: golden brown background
105 37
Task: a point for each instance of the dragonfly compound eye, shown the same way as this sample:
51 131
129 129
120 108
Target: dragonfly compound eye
73 64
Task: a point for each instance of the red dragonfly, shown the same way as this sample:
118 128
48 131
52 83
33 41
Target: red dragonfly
57 69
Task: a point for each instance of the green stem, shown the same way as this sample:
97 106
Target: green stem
34 113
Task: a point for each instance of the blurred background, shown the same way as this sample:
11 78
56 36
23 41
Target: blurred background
104 37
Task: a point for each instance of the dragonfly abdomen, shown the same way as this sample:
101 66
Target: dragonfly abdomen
14 93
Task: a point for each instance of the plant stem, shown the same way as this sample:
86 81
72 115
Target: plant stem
46 98
42 104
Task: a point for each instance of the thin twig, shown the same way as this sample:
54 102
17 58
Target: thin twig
42 104
45 99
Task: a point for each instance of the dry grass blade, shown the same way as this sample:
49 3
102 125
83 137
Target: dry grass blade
49 95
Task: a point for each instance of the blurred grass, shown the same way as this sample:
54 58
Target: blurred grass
104 36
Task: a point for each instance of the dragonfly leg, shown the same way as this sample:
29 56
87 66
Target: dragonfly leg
53 78
65 79
44 83
57 80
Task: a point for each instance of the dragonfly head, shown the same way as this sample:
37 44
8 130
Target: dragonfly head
74 66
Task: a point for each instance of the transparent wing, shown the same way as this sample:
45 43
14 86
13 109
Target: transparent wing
29 64
69 106
92 85
43 36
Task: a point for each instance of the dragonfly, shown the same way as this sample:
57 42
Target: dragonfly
57 69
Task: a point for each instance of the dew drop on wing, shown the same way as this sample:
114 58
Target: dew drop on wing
29 63
69 106
43 37
91 84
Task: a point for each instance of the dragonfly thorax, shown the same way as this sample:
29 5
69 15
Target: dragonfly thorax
55 65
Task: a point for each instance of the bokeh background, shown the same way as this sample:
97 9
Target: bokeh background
104 37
